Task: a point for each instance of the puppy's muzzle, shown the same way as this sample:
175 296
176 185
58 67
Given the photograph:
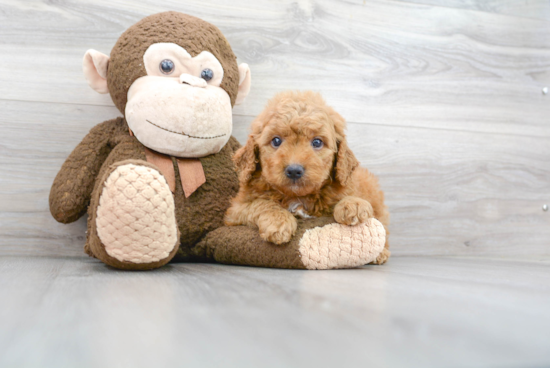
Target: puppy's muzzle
294 172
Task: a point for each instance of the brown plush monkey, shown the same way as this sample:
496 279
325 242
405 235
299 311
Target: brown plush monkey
157 182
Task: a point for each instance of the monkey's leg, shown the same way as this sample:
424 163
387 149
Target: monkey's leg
132 223
319 244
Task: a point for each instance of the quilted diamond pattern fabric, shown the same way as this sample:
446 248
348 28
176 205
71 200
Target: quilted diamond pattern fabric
136 217
341 246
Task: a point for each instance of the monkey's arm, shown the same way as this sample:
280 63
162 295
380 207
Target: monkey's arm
319 243
72 188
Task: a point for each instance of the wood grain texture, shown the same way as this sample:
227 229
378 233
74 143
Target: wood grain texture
378 62
535 9
461 193
412 312
443 100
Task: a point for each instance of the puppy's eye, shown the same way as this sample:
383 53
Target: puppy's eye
207 74
276 142
317 143
166 66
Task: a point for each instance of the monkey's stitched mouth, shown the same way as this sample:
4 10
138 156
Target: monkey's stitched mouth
183 133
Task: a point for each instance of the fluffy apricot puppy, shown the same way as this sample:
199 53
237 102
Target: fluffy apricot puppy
297 163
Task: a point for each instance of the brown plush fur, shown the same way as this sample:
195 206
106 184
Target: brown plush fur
246 247
193 34
79 182
333 183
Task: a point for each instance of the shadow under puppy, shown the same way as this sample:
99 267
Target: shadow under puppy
297 162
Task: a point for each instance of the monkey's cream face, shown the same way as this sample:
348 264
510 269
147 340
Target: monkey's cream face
179 108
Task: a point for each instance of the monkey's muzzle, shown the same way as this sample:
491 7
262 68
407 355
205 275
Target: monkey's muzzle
179 116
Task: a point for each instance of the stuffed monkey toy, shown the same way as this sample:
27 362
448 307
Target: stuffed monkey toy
157 181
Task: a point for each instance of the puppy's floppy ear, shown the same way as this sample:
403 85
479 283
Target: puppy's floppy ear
345 163
246 160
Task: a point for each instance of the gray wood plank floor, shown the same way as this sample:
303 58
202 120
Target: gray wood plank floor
443 100
412 312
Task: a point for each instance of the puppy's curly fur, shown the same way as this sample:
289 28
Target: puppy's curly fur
332 182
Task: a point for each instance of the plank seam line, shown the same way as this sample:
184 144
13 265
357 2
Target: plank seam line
470 10
348 121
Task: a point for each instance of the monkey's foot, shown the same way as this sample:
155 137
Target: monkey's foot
342 246
135 219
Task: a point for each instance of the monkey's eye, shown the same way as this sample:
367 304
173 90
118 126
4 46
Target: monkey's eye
207 74
276 142
166 66
317 143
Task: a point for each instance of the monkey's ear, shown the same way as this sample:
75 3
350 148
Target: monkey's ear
95 66
245 79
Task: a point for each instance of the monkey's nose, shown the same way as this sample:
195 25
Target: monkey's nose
192 80
294 172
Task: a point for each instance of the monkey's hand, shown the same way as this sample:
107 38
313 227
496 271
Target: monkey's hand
352 211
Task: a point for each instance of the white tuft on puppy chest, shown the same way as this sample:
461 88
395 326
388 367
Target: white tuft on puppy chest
297 209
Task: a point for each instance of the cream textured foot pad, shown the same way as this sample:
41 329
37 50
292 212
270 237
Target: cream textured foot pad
136 219
342 246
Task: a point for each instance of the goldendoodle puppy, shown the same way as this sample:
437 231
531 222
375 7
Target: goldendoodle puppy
297 162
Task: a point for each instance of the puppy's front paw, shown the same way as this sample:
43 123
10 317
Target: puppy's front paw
353 211
277 227
382 257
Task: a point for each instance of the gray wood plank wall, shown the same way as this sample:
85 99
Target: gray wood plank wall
443 100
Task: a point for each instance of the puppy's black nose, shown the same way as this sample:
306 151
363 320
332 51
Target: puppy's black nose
294 171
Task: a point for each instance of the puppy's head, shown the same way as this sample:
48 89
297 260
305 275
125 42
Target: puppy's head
297 145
